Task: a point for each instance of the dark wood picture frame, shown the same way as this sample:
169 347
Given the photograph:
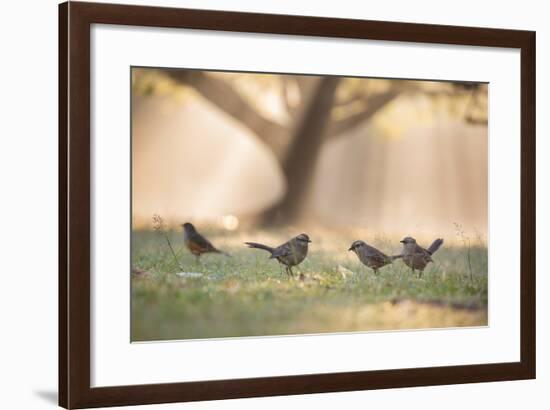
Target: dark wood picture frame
75 20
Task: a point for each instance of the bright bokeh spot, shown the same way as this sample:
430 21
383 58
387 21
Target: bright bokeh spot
230 222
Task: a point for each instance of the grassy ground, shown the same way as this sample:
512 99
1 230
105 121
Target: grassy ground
247 294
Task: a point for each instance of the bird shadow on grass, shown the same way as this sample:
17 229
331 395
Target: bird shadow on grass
49 396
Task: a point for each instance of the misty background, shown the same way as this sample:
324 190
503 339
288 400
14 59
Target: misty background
390 157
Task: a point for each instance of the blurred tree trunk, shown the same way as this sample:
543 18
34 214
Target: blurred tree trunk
307 138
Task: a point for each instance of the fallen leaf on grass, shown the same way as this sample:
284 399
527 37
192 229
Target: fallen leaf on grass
345 272
139 273
189 274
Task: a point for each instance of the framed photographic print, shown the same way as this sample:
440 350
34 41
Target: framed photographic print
256 205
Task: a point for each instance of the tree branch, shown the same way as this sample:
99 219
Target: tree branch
228 100
337 128
290 109
350 100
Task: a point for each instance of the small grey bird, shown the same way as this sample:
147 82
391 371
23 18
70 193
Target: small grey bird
290 253
415 256
197 243
370 256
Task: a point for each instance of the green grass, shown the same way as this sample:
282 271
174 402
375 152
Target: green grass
248 294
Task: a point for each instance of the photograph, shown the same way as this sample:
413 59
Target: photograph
278 204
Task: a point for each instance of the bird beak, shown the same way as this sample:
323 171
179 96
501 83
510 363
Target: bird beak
309 240
402 241
350 249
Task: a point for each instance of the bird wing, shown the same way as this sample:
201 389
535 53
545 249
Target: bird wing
376 255
202 242
281 251
420 251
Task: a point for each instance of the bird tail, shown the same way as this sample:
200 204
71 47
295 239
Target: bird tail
435 246
259 246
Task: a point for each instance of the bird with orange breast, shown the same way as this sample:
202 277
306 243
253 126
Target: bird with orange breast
197 243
